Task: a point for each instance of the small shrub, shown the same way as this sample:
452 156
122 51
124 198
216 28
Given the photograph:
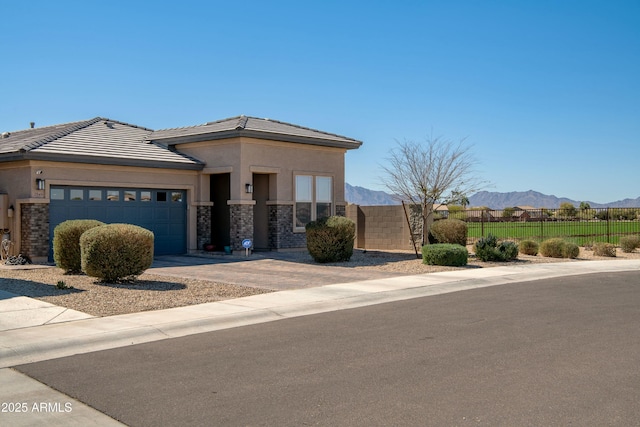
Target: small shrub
450 231
629 244
62 285
331 239
66 243
488 249
570 250
558 248
116 251
529 247
448 254
604 249
509 250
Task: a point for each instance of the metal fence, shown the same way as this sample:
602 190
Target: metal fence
580 226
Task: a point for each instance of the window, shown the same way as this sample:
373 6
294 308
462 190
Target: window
95 195
145 196
324 185
314 199
76 194
113 195
304 200
129 195
161 196
57 194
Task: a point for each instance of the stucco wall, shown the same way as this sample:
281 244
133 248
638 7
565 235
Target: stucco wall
243 157
380 227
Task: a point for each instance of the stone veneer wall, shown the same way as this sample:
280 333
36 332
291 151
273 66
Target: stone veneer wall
281 235
203 226
34 234
241 224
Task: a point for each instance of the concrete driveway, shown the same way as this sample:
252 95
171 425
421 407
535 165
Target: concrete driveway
274 270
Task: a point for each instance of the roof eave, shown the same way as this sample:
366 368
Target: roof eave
97 160
235 133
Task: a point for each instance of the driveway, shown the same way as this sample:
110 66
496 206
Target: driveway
275 271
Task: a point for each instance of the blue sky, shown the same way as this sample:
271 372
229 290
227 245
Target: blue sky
546 92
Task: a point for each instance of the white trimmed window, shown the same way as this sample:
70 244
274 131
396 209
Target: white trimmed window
314 199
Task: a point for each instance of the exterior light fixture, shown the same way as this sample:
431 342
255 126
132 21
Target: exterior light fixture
40 183
10 211
248 188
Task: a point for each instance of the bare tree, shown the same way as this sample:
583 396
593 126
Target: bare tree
425 174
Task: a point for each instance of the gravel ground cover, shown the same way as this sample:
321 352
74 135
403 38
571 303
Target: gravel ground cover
154 292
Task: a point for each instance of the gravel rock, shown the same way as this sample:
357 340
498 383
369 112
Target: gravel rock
155 292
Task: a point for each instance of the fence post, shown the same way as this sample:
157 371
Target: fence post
482 223
608 229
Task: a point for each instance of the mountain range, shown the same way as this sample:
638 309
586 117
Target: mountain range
494 200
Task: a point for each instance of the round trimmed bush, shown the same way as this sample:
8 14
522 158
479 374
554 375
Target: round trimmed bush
450 231
570 250
448 254
116 251
604 249
529 247
66 243
558 248
331 239
629 244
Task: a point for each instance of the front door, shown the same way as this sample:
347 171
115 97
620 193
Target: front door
261 211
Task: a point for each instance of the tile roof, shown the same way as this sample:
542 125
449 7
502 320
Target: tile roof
252 127
97 140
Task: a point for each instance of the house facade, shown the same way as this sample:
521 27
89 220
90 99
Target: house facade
218 183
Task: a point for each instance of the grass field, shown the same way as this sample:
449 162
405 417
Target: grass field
579 232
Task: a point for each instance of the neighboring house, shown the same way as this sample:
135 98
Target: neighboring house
218 183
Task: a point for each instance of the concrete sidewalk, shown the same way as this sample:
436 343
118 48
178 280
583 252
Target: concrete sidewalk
54 340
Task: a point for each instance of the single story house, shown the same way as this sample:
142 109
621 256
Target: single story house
217 183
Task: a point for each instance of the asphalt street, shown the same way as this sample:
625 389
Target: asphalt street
552 352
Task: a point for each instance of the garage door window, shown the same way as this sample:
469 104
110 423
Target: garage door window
113 195
76 194
57 194
95 195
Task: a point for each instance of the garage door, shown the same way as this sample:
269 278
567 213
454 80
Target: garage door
164 212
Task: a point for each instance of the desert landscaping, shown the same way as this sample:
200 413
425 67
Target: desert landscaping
155 292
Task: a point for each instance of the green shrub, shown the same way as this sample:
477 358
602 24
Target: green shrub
488 249
331 239
529 247
604 249
116 251
448 254
570 250
558 248
629 243
66 243
450 231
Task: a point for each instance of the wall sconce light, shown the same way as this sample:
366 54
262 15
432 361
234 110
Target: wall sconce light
10 211
40 183
248 188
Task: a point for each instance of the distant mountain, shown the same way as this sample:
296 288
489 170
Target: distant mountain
365 197
496 200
